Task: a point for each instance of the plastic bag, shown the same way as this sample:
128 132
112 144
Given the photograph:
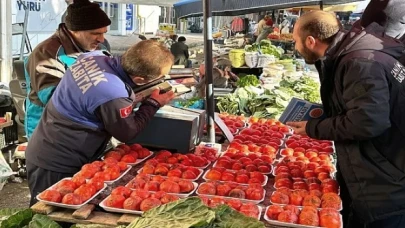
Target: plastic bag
251 59
237 57
264 60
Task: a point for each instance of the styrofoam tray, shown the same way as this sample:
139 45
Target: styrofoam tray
271 169
285 224
137 160
198 177
283 156
118 210
122 174
266 179
229 198
340 209
181 195
68 206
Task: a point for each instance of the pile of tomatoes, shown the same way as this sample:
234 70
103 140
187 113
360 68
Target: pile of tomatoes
306 143
248 209
70 192
250 192
137 200
165 156
159 183
153 167
251 162
240 176
307 215
128 154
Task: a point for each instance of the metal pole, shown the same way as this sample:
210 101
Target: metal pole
208 69
24 32
6 60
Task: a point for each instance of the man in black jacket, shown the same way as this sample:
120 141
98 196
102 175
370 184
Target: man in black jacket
363 94
180 52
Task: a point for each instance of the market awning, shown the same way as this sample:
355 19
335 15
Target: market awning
193 8
146 2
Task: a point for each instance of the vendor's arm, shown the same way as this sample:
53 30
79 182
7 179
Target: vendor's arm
45 74
122 122
366 95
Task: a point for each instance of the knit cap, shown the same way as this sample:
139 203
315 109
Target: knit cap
83 15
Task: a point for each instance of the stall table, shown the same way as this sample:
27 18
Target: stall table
93 214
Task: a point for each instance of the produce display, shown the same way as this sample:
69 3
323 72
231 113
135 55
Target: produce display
137 200
159 183
240 176
253 192
130 154
309 216
251 162
108 170
234 123
248 209
265 103
165 156
68 192
171 170
248 80
192 212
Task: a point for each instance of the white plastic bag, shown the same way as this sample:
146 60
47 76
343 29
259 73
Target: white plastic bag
264 60
251 59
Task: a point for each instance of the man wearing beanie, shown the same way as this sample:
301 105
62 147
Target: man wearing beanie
83 31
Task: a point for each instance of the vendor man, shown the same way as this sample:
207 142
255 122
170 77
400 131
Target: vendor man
86 24
93 102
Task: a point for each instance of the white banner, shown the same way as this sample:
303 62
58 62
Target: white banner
44 15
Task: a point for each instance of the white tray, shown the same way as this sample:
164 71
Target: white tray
122 174
198 177
266 179
137 160
242 200
68 206
118 210
285 224
283 156
340 209
181 195
271 169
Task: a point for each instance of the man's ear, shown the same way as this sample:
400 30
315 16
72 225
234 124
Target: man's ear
310 42
139 80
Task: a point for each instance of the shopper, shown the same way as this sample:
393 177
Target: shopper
363 95
388 13
180 52
267 29
83 31
92 103
222 77
170 40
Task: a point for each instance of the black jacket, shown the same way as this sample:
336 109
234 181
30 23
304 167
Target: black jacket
180 52
363 93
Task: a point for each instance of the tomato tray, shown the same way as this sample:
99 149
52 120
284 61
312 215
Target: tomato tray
181 195
195 179
266 179
122 174
138 161
292 225
68 206
229 198
118 210
340 209
268 173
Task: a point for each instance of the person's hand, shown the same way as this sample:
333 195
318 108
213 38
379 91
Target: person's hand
163 98
298 127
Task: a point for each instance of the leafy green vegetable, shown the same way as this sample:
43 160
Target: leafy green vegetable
184 213
252 48
41 221
248 80
14 218
229 218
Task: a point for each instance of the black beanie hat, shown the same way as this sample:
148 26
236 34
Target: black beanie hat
84 15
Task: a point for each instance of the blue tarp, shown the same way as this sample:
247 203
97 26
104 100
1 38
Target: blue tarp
194 8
